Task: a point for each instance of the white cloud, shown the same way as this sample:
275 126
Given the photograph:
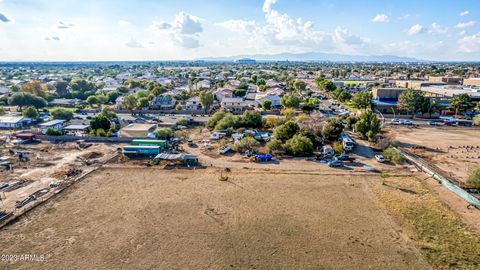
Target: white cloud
380 18
404 17
465 24
184 30
124 23
133 43
54 38
470 44
463 32
64 25
4 18
465 13
284 33
439 29
267 5
415 30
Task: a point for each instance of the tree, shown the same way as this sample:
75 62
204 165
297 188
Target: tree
164 133
290 100
325 85
92 100
100 121
332 129
61 113
30 112
228 121
246 143
130 102
109 114
286 131
26 99
411 101
474 178
35 88
300 85
213 120
266 104
276 146
2 110
142 102
251 119
393 155
460 103
206 99
61 89
368 125
299 145
80 88
53 132
362 100
178 107
112 96
476 120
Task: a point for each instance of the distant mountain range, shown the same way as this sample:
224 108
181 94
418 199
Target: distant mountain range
317 56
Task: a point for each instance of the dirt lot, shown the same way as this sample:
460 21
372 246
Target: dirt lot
149 218
453 157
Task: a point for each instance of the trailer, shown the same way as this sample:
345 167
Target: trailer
141 150
141 142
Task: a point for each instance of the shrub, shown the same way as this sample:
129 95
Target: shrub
212 121
286 131
164 133
251 119
228 121
101 132
338 148
30 112
474 178
61 113
246 143
299 145
275 146
183 122
393 155
53 132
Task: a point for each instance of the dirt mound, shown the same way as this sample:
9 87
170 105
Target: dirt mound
92 155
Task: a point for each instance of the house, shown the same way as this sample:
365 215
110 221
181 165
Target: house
274 99
76 130
192 103
65 102
55 124
162 103
235 105
222 93
13 122
137 130
474 82
119 103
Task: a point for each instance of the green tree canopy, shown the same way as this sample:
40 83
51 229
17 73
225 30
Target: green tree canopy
164 133
26 99
286 131
299 145
61 113
100 121
206 99
368 125
412 101
30 112
362 100
266 104
461 103
251 119
290 100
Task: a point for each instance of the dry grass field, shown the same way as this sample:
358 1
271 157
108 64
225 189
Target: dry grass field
149 218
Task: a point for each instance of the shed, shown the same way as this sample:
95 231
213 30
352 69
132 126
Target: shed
184 158
137 130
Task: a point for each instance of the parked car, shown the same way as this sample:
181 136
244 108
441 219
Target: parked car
335 163
434 123
407 122
396 121
344 157
380 158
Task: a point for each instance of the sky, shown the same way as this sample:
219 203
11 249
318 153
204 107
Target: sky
103 30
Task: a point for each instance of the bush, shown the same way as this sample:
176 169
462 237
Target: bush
30 112
212 121
251 119
53 132
183 122
338 148
299 145
275 146
476 119
474 178
61 113
393 155
178 107
266 105
246 143
368 125
286 131
101 132
228 121
164 133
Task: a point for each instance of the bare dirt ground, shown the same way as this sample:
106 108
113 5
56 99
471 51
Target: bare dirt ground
453 157
149 218
48 163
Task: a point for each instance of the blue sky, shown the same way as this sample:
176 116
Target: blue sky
186 29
